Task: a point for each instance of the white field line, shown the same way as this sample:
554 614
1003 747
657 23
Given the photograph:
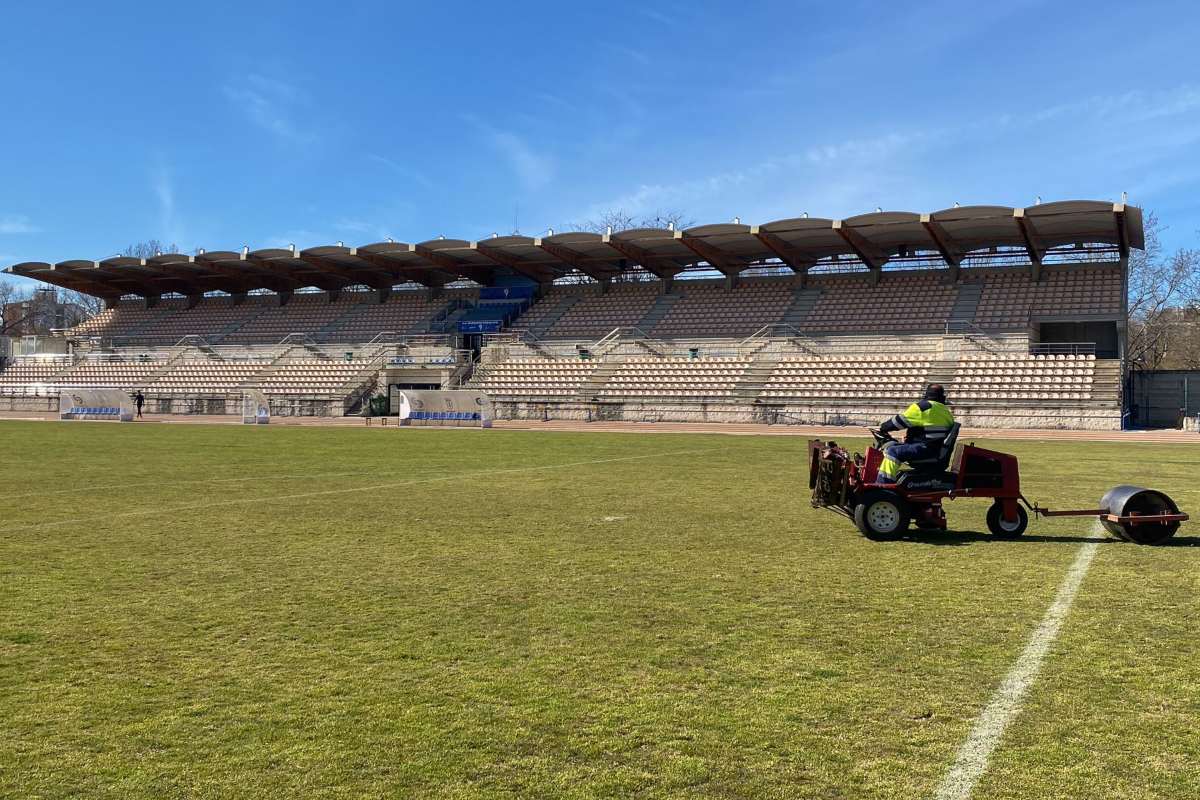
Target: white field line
972 760
140 481
329 492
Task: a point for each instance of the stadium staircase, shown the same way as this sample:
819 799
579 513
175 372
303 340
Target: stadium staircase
803 302
554 315
173 360
598 379
445 320
164 309
363 385
966 303
758 374
662 306
234 327
327 331
943 371
1106 379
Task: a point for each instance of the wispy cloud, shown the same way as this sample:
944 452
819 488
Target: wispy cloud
657 16
532 168
17 223
401 169
869 148
1137 106
858 173
163 186
628 53
272 105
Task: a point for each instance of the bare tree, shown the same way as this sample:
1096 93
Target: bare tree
1159 285
1180 347
616 220
8 292
86 306
149 249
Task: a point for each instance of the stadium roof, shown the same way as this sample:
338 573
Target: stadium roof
799 243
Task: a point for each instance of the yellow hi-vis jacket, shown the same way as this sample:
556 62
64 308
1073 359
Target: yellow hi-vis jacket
923 421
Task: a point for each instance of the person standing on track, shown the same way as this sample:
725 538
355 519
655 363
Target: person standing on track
139 400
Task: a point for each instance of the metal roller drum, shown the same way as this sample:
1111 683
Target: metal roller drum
1134 501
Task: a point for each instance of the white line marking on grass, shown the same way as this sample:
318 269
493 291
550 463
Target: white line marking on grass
191 482
972 759
327 492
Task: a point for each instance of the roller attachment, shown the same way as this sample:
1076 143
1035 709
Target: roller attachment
1124 506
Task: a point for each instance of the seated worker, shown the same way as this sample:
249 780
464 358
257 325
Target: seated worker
925 423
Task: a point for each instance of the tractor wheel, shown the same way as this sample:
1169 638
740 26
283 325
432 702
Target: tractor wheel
1002 529
881 514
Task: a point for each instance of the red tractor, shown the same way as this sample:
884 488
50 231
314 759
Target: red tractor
847 484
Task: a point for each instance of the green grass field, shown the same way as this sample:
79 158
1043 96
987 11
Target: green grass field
246 612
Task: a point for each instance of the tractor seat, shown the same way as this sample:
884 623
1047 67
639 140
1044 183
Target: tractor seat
926 466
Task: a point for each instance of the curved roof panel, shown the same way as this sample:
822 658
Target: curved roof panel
800 242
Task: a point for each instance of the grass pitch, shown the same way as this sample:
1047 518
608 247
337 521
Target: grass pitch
216 612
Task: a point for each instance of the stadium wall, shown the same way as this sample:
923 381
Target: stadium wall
858 416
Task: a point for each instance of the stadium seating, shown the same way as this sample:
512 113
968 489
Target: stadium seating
536 378
259 319
900 302
594 315
109 374
25 372
712 310
1017 378
204 376
675 378
840 378
310 376
862 344
1010 297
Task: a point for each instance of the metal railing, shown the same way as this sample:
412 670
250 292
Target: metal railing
1063 348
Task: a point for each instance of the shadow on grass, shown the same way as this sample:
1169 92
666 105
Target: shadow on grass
959 539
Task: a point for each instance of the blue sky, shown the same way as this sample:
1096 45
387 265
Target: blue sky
317 122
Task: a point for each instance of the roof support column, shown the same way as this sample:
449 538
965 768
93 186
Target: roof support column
193 300
151 300
384 292
950 251
237 298
867 252
796 260
1033 243
731 282
284 297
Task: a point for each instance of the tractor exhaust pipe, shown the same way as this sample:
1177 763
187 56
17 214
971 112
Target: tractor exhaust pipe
1123 505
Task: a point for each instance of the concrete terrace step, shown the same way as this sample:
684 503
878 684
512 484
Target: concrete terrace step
967 301
554 315
662 305
804 300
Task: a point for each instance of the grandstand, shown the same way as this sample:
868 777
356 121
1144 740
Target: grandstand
1019 312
